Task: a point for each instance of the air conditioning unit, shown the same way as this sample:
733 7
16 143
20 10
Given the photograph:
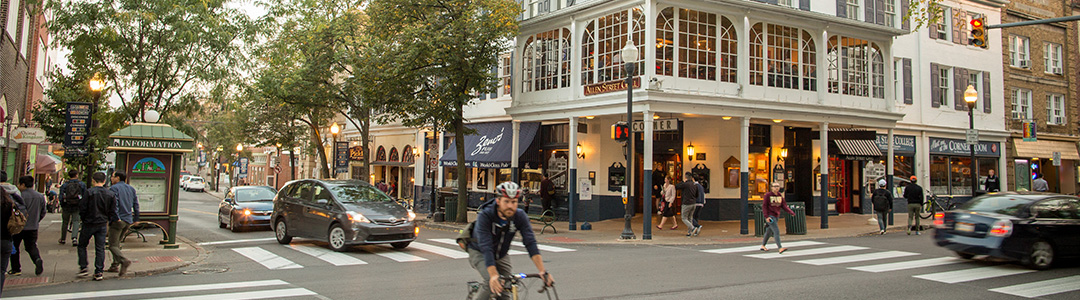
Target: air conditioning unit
1025 63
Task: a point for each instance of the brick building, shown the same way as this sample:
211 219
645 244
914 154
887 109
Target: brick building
1040 65
24 62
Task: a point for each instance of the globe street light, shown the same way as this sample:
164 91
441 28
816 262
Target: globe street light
629 57
236 177
334 129
970 95
217 168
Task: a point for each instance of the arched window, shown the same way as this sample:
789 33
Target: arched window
856 67
394 154
696 47
782 56
877 72
602 43
380 155
407 154
546 61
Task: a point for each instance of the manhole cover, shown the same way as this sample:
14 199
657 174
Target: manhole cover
206 271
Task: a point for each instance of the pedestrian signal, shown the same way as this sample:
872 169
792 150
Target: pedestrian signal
620 132
978 32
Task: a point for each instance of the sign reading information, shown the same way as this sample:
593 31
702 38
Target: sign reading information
151 144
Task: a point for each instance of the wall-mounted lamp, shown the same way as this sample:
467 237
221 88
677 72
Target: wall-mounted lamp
415 152
590 117
690 151
655 117
726 118
580 152
783 152
777 120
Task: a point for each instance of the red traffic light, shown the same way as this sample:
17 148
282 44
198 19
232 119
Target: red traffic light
976 23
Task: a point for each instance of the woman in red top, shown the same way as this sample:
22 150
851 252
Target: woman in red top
773 204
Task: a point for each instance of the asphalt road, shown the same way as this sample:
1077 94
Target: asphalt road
251 265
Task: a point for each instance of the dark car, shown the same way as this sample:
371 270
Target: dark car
343 213
246 206
1033 228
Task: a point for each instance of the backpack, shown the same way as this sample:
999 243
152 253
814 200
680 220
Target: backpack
466 236
17 221
880 200
72 193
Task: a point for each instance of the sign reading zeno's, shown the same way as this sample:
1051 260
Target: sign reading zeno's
154 144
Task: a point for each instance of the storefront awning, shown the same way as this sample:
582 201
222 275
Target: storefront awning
47 163
1045 149
490 146
857 149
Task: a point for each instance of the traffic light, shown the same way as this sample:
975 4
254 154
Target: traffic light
978 32
620 132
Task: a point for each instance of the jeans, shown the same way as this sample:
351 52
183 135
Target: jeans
697 211
98 233
29 238
771 229
116 229
5 249
913 213
688 216
476 259
71 218
881 221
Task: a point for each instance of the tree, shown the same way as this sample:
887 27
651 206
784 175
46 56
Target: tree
923 13
441 51
52 117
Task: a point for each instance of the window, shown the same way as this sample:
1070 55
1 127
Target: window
601 48
1021 105
1052 58
13 19
853 9
504 77
787 3
24 44
1018 51
890 13
788 54
974 80
546 61
942 25
943 85
1055 109
1055 209
856 67
697 36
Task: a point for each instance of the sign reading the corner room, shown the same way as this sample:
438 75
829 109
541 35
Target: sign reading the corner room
960 147
151 144
658 125
901 143
610 86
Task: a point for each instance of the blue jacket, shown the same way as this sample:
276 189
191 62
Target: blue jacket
701 194
127 203
493 234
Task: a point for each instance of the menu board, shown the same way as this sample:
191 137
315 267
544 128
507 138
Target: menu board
151 193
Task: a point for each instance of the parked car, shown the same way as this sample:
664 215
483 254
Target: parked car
1033 228
246 206
341 212
195 184
183 180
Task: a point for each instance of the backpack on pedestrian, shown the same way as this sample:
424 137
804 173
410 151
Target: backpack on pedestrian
72 193
880 200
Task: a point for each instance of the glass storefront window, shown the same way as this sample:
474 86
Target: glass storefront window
939 174
759 175
960 177
449 176
951 175
503 175
985 165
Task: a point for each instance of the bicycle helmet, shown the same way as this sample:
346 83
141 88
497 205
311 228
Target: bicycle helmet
508 189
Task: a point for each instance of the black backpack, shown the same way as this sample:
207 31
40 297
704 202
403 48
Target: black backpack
880 200
72 192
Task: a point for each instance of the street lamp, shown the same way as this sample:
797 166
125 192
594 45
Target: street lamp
236 177
629 57
334 129
970 95
217 168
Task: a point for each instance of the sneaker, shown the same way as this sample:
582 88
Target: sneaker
84 272
918 233
61 241
39 267
697 230
113 269
909 233
124 267
14 273
99 277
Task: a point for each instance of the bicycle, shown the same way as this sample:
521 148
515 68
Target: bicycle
935 204
513 285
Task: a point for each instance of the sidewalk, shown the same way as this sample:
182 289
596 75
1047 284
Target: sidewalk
712 232
61 261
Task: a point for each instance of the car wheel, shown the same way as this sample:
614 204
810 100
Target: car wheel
1040 255
336 238
964 255
232 225
400 245
220 223
281 232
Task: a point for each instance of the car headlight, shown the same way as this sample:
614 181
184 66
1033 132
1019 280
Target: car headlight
357 217
412 216
247 212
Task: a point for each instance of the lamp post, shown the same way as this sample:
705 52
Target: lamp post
96 86
236 177
629 57
334 129
970 95
198 170
217 169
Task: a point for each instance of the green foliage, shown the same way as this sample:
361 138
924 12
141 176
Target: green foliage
51 116
923 13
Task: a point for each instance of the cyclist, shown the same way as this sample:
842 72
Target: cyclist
914 195
494 230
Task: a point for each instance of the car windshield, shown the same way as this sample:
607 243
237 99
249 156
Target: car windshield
196 180
356 194
1001 204
254 194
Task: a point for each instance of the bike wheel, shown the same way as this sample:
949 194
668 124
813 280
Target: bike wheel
926 211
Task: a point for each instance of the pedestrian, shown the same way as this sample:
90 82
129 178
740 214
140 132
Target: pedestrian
993 184
71 194
667 209
700 204
127 211
7 206
914 195
547 193
97 209
34 204
774 203
689 201
882 200
1039 185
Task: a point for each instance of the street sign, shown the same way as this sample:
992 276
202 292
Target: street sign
1057 159
77 128
972 136
28 135
243 167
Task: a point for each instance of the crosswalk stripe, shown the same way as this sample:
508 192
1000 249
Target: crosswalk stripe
756 248
153 290
327 255
266 258
453 242
451 253
905 265
1042 288
974 274
855 258
544 247
236 241
814 251
248 295
392 254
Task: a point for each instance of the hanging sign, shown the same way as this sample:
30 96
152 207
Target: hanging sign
1029 131
78 123
28 135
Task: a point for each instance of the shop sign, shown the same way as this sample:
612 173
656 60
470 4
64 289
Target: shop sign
961 147
341 157
658 125
28 135
151 144
901 143
610 86
356 153
1029 131
78 124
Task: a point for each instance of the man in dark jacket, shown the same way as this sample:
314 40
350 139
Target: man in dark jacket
71 193
914 195
34 203
97 209
689 190
494 229
547 193
993 183
127 210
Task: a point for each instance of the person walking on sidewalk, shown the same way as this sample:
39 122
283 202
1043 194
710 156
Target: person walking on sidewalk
667 208
882 200
34 203
699 205
1039 184
127 211
774 204
547 193
689 201
96 211
914 195
71 193
7 205
993 183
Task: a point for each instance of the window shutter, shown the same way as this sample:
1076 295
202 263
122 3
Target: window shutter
495 73
879 12
907 82
935 92
932 28
510 91
841 8
958 35
868 11
804 5
903 12
959 85
986 92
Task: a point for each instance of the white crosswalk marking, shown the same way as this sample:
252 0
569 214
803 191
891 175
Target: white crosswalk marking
905 265
974 274
452 242
451 253
544 247
327 255
153 290
815 251
392 254
266 258
855 258
1042 288
276 294
757 248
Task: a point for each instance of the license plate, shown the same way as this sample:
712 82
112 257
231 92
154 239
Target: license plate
965 227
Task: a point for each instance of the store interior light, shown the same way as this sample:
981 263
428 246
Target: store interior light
777 120
726 118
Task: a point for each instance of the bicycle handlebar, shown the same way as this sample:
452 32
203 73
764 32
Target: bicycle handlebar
512 278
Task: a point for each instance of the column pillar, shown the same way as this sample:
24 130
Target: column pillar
823 207
646 187
571 186
889 167
822 67
744 175
515 148
439 179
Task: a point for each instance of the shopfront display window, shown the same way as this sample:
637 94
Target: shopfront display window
759 175
951 175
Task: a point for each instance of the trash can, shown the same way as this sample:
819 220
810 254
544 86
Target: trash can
451 210
796 224
759 219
